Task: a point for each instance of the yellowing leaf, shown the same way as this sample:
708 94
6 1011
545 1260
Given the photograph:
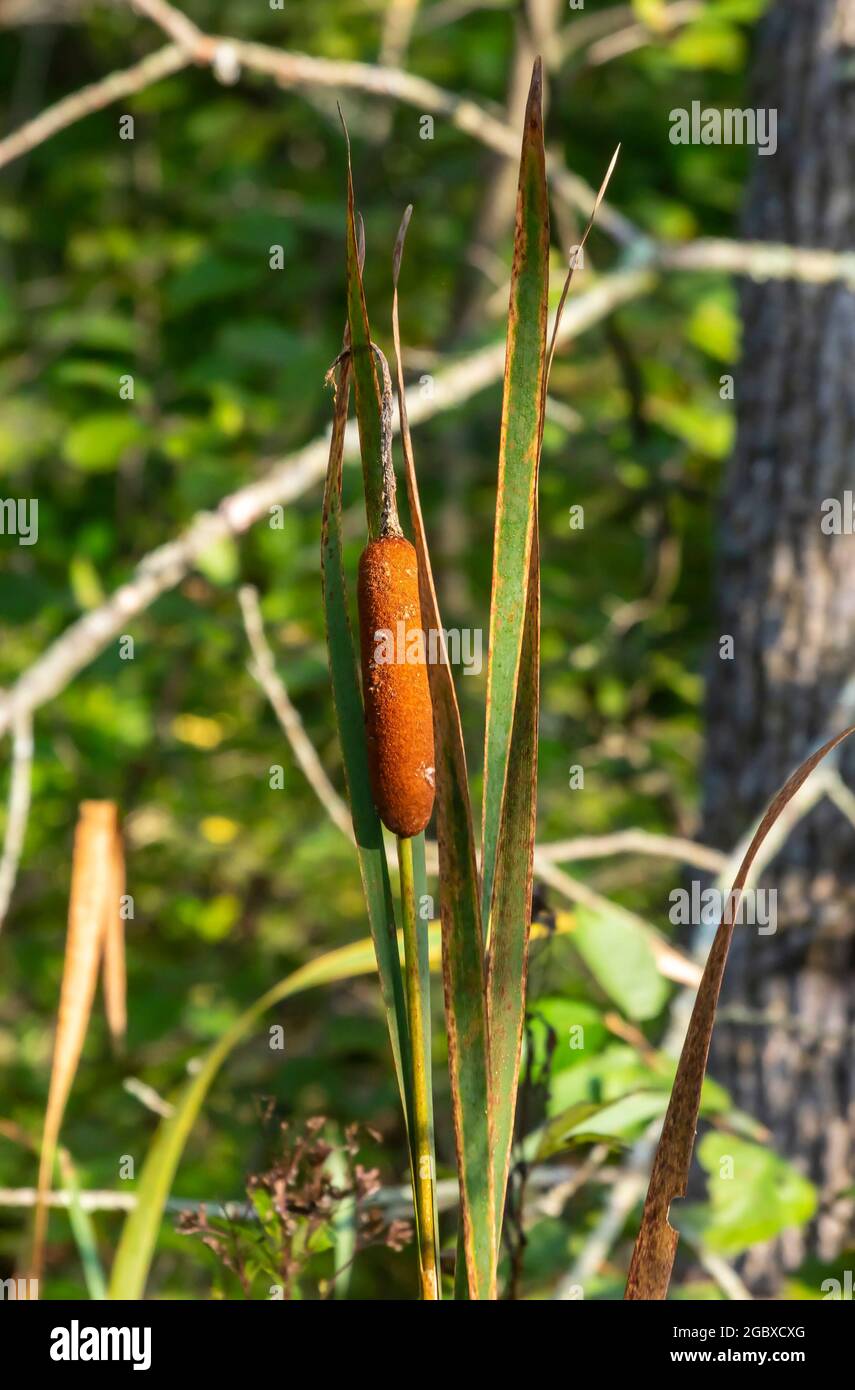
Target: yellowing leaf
197 730
92 881
714 328
218 830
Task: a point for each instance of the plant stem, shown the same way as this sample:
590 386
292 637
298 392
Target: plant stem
424 1171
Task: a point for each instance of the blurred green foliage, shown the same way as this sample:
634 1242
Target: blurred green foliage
150 258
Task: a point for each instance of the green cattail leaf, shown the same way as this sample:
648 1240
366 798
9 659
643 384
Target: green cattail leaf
512 888
519 451
462 940
513 672
422 899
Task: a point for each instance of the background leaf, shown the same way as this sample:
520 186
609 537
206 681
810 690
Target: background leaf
618 954
753 1196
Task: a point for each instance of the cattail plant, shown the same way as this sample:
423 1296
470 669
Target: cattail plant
401 737
402 748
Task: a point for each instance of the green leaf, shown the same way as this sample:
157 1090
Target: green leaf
714 327
220 562
753 1195
422 897
519 450
709 45
513 672
82 1229
618 954
209 279
620 1120
99 441
577 1028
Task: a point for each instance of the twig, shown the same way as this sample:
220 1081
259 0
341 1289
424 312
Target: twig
634 36
635 842
396 1199
162 569
724 1274
761 260
226 56
296 70
18 808
561 851
447 12
670 962
95 97
148 1096
842 796
263 670
173 23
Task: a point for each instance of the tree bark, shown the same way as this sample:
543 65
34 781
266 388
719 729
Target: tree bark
786 594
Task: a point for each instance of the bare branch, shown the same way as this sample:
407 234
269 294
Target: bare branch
301 70
162 569
226 56
634 36
18 809
95 97
173 23
761 260
543 1177
670 962
635 842
263 670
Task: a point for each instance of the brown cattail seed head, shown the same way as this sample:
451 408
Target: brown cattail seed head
398 716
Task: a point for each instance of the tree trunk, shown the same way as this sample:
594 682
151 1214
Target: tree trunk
786 594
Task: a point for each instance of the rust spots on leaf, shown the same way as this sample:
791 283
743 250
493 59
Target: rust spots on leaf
656 1245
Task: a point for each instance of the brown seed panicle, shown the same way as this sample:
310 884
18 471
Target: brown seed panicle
398 714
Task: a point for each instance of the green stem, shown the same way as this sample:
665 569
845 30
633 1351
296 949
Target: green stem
424 1173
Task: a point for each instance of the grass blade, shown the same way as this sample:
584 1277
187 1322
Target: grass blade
463 954
89 899
656 1243
519 450
83 1230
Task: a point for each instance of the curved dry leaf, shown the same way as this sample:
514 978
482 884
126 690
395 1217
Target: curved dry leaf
656 1244
92 880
